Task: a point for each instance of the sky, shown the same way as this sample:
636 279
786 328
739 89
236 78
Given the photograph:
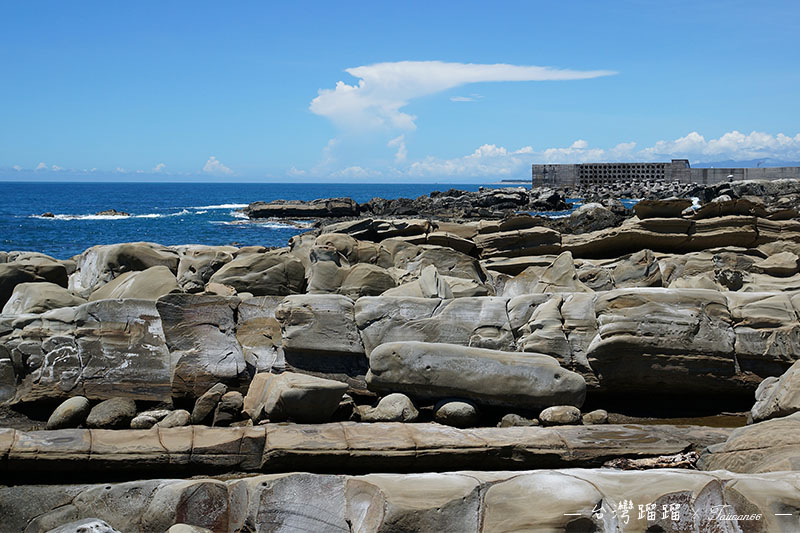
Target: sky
389 91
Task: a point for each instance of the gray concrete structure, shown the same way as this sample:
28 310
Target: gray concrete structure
677 170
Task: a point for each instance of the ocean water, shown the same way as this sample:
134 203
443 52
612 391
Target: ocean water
166 213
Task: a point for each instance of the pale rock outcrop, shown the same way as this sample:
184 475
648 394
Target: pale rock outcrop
149 284
394 407
320 323
271 273
782 264
638 270
291 396
259 333
200 331
560 276
528 241
27 270
479 322
100 264
776 397
38 297
366 279
488 377
199 262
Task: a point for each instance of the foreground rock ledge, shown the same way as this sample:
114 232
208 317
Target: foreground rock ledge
544 500
337 447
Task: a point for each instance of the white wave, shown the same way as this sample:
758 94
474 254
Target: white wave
695 203
200 212
221 206
110 217
239 214
267 225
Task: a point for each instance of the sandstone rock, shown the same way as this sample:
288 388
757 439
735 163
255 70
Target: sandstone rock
115 413
320 323
591 217
149 284
543 332
143 422
228 409
200 331
329 207
479 322
206 403
769 446
70 413
530 241
448 262
560 415
776 397
456 413
639 270
85 525
781 264
429 285
365 279
488 377
91 349
598 416
198 263
177 418
100 264
393 407
29 270
39 297
560 276
297 397
514 420
259 334
218 289
327 269
670 207
270 273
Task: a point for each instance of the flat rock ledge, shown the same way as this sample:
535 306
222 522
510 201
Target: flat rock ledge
464 502
336 447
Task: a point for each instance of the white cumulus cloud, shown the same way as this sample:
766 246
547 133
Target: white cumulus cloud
41 166
399 143
159 167
383 89
215 166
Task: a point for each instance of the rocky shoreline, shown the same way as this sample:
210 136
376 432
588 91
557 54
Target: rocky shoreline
454 332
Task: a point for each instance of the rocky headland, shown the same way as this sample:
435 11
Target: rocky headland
447 363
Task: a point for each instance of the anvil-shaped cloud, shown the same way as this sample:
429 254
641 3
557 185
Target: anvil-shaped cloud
385 88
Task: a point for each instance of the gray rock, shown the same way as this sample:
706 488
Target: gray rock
85 525
598 416
176 418
560 415
198 263
527 381
8 380
34 269
206 403
365 279
70 413
514 420
115 413
639 270
200 331
143 422
39 297
100 264
393 407
291 396
319 323
270 273
228 409
456 413
777 397
666 208
149 284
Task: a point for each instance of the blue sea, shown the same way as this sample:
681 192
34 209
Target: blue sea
166 213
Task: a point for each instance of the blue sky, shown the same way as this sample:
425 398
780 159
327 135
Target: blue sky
247 91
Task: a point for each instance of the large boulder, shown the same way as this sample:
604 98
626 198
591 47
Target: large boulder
365 279
318 323
262 274
489 377
777 397
198 263
39 297
328 207
31 269
100 350
529 241
200 331
100 264
666 208
259 333
479 322
290 396
150 284
769 446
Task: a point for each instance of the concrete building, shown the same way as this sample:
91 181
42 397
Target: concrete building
599 174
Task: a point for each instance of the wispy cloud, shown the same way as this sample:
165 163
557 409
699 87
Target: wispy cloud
215 166
159 167
383 89
399 143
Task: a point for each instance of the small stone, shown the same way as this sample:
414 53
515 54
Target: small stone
513 420
143 422
220 289
229 408
207 402
560 415
598 416
177 418
395 407
456 413
70 414
158 414
115 413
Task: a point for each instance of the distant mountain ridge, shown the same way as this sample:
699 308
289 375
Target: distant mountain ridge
750 163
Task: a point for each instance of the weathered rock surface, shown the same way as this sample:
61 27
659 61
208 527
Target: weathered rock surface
115 413
149 284
456 413
320 323
70 413
395 407
31 269
560 415
206 404
777 397
198 263
100 264
263 274
330 207
39 297
489 377
768 446
291 396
